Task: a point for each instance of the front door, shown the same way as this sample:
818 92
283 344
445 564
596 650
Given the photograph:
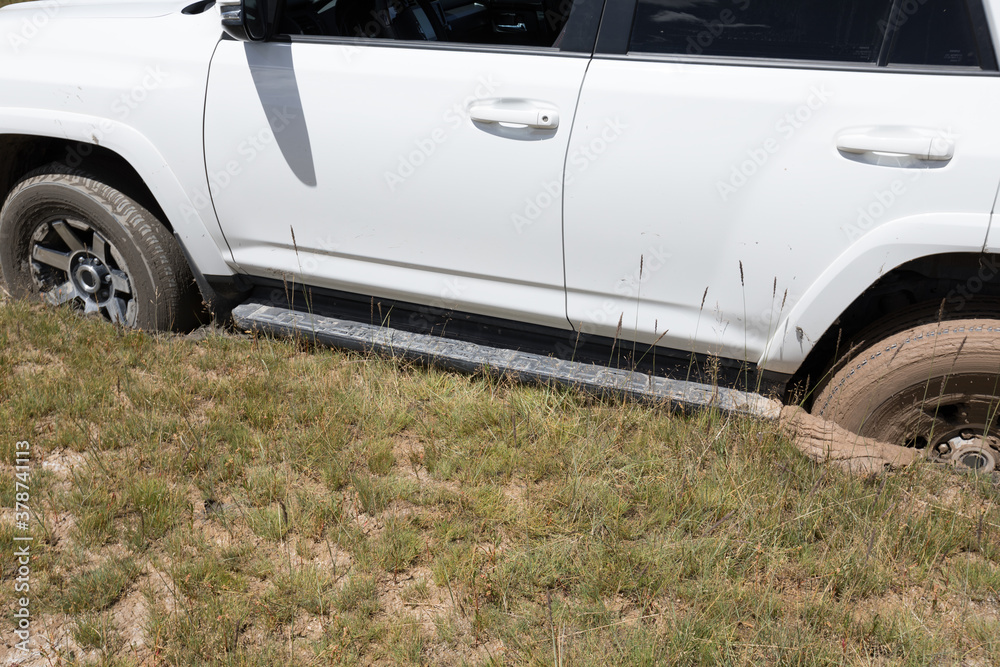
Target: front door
411 151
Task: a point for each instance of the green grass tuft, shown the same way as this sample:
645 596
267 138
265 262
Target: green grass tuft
99 588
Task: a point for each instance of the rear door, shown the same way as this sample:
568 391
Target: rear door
405 150
732 152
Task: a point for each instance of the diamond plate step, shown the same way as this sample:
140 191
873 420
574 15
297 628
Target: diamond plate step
470 357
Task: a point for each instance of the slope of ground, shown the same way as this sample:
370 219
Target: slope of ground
221 499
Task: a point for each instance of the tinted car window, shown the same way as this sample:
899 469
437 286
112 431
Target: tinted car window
795 29
933 32
492 22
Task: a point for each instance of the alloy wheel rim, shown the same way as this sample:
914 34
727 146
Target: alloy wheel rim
953 418
72 263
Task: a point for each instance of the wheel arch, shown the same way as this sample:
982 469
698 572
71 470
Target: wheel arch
22 154
929 288
127 156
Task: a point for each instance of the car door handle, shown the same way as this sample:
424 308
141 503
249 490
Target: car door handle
510 114
920 144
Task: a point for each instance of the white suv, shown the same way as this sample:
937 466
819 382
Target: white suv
787 195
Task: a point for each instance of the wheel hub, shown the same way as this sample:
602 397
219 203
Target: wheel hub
91 276
971 451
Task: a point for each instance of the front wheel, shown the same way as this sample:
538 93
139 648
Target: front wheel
73 240
932 387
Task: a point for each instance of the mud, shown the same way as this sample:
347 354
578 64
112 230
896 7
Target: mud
826 442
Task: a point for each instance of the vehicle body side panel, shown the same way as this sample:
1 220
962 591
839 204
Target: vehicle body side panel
107 9
992 8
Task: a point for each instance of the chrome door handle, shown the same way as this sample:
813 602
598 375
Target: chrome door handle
920 144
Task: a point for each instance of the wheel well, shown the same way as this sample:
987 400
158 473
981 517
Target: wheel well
928 289
22 154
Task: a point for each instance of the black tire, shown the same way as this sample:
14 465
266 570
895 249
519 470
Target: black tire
68 238
933 387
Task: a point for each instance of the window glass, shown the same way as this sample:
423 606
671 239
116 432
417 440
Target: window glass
934 32
850 30
513 22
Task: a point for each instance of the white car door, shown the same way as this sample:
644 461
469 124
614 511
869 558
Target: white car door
407 150
747 160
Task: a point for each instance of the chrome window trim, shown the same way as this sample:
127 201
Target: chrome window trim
678 59
431 45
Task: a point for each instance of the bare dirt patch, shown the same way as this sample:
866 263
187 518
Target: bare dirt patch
62 461
409 454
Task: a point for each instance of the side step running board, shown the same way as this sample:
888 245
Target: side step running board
469 357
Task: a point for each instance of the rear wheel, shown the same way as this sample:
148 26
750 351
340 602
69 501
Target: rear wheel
70 239
933 387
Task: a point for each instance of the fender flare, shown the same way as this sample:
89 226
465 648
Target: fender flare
190 214
860 266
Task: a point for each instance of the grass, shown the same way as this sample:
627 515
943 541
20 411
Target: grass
101 587
240 500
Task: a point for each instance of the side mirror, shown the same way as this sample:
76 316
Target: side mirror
247 20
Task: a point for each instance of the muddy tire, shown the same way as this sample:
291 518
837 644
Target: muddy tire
69 239
933 387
